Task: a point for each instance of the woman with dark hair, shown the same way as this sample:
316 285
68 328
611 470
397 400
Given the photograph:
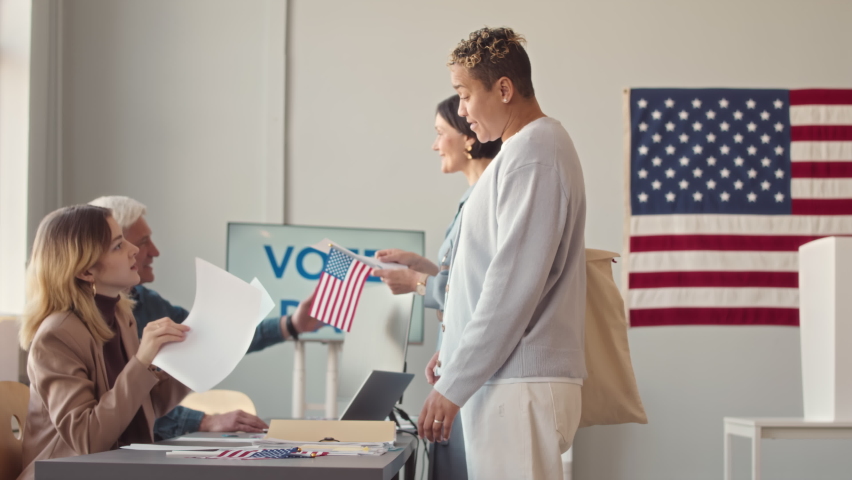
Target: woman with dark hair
92 385
460 151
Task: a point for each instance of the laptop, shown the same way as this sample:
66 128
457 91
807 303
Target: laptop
377 395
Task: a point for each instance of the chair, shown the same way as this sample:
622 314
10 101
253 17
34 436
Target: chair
14 398
213 402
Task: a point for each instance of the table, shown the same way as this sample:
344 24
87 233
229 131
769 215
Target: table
154 465
778 428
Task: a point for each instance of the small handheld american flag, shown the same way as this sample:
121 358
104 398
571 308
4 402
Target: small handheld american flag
339 289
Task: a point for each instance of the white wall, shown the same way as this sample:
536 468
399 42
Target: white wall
364 78
15 54
166 102
181 106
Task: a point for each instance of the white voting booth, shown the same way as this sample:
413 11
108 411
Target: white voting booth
281 257
825 318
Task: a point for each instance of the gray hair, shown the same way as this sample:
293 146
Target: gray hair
125 210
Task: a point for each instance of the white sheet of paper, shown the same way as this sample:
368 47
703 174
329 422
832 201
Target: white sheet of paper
222 322
242 438
150 446
324 246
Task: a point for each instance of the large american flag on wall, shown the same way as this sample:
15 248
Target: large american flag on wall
724 185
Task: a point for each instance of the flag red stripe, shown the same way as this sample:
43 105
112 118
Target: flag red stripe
350 287
834 206
821 97
353 300
357 299
714 316
714 279
334 303
821 170
762 243
316 305
340 301
820 133
344 307
346 320
328 293
322 296
362 278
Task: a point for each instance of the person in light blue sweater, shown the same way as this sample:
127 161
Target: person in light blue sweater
150 306
512 358
460 151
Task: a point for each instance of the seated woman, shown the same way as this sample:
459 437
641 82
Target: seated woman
92 385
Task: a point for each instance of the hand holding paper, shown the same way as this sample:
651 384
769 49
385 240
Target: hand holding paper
326 246
223 319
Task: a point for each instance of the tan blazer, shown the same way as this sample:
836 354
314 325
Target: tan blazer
72 410
610 394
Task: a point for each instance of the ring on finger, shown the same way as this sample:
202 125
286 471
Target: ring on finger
438 421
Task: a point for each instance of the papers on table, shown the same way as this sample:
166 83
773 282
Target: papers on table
331 448
325 246
341 432
342 437
150 446
257 454
223 319
240 438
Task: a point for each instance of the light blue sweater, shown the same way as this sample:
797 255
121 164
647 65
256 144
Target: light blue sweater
436 286
516 295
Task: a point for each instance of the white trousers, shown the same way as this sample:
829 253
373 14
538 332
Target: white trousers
519 431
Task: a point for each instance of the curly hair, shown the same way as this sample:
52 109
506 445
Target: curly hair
492 53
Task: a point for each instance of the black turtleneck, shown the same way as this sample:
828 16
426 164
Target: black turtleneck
115 357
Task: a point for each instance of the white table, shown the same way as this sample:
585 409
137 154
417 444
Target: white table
778 428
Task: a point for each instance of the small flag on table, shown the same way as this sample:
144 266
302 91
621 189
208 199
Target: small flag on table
265 454
339 289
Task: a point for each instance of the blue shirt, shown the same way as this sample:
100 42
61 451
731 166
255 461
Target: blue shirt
151 306
436 287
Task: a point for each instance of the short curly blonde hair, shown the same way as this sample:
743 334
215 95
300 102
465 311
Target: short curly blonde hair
493 53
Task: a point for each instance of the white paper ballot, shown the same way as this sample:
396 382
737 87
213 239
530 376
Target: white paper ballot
222 322
172 448
325 246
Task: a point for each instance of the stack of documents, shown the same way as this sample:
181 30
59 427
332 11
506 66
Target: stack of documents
223 320
342 437
330 448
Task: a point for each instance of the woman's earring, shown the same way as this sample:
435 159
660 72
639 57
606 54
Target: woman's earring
505 100
467 153
94 290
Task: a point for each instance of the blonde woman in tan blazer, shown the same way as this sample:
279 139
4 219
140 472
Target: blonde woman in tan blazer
93 387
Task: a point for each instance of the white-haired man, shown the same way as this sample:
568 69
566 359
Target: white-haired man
150 306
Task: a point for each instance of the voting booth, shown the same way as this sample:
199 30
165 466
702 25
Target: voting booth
283 258
825 319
